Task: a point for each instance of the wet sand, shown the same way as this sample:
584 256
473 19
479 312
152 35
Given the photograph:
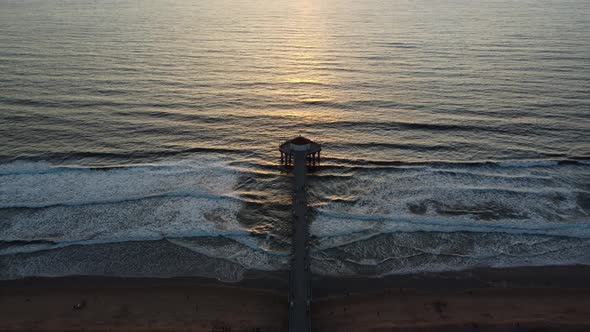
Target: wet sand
521 299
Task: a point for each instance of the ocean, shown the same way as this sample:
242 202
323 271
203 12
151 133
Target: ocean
140 138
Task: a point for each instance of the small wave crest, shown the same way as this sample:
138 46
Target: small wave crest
131 259
523 163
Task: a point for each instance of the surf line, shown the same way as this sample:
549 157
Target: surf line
298 150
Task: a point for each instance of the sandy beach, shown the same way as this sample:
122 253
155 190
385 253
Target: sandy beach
518 299
472 310
105 304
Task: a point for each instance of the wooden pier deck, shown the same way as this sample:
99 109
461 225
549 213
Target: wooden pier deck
300 276
302 152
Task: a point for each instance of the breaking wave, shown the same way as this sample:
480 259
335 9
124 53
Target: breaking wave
86 205
480 212
367 218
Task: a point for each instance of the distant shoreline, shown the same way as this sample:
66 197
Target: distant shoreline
555 297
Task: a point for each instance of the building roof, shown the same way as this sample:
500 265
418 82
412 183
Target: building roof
300 140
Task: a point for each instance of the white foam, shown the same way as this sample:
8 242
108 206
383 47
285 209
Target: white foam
451 218
140 202
403 253
246 255
19 167
517 200
531 163
129 259
41 185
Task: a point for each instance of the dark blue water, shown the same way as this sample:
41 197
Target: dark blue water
140 137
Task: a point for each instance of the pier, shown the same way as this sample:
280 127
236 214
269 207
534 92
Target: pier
301 152
300 144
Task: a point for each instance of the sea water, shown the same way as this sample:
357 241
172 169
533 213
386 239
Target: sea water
140 138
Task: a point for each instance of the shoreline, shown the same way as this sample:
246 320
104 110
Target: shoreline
556 298
552 276
555 276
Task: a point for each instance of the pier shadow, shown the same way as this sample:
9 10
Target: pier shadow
265 193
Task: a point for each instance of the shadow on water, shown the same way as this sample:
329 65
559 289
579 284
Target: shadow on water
266 193
266 209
